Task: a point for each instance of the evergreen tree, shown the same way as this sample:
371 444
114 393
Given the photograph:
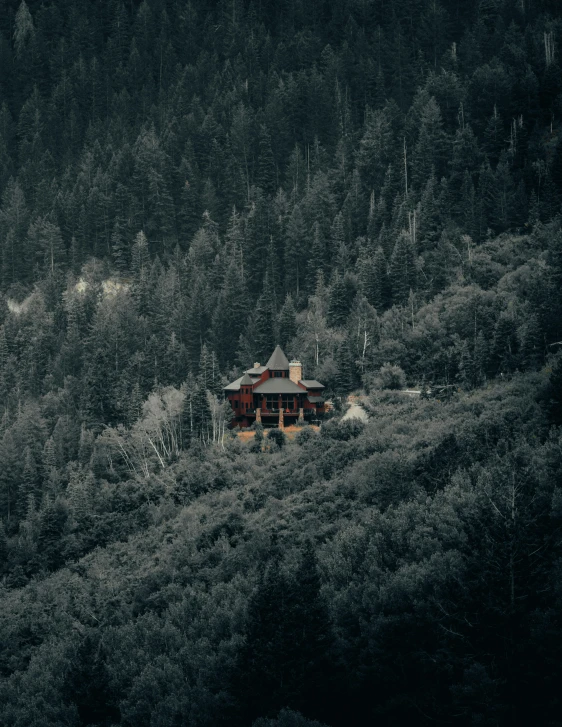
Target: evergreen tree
494 137
10 473
119 248
266 178
428 218
285 657
230 314
45 240
402 269
140 272
263 328
317 259
430 149
504 345
287 322
339 304
53 522
29 482
345 369
87 684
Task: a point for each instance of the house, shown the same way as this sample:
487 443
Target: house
275 394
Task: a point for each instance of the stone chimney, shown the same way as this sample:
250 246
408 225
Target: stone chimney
295 371
256 364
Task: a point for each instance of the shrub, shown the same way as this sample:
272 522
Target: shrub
277 437
390 377
305 435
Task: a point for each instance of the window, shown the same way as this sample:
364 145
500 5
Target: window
278 374
288 401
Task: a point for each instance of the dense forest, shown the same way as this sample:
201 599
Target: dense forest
376 185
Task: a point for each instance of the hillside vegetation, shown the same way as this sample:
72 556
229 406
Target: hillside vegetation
375 186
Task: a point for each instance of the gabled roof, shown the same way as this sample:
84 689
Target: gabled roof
256 371
278 361
234 386
246 381
312 384
278 386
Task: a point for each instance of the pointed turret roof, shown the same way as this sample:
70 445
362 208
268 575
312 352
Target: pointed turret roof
278 361
246 380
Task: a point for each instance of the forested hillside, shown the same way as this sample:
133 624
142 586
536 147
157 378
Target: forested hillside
368 183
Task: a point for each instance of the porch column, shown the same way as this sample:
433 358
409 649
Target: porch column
301 415
281 419
258 416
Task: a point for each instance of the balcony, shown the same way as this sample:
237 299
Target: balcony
273 410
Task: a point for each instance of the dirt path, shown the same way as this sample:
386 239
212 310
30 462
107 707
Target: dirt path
355 410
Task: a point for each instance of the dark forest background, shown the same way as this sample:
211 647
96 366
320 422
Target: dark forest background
376 186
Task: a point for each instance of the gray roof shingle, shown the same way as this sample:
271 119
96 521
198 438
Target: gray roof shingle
312 384
256 371
234 386
279 386
278 361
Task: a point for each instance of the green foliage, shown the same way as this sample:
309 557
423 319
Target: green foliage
276 438
184 184
390 377
287 718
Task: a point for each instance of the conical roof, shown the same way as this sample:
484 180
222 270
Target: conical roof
278 361
246 380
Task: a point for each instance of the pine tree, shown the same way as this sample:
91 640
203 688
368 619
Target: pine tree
49 459
45 240
10 474
494 137
87 684
285 659
338 305
337 237
294 254
230 314
266 163
29 482
53 520
119 248
140 272
480 358
503 212
312 671
467 373
468 206
402 269
317 257
262 327
430 149
532 344
196 415
504 344
287 321
86 446
209 373
428 218
485 199
24 28
345 369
